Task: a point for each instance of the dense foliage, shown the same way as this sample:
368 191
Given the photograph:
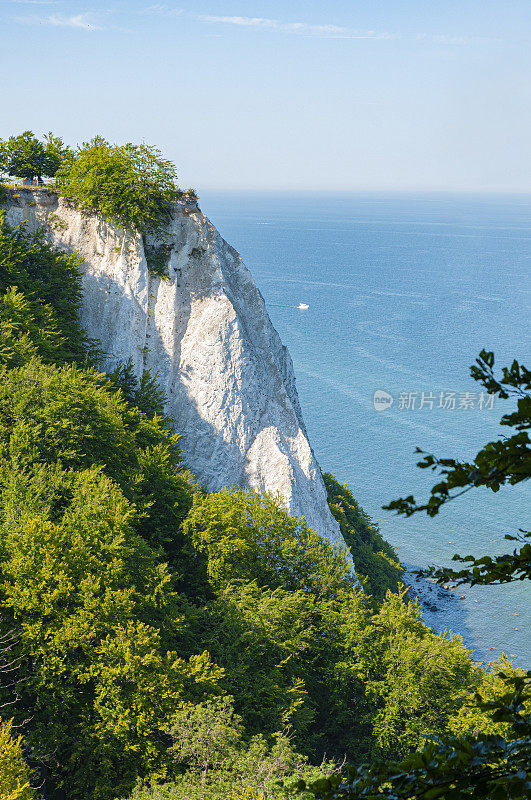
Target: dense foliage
25 156
482 766
132 185
209 741
248 537
41 298
374 559
148 615
92 604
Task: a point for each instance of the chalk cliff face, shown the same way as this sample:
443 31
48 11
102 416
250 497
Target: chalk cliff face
204 329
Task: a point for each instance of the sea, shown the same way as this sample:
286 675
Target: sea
403 292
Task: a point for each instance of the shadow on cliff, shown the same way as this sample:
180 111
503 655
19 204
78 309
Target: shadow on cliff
149 351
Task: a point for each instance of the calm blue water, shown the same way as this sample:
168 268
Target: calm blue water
403 292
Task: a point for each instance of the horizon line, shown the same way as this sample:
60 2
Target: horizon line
280 190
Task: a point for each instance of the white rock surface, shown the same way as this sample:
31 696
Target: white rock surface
228 379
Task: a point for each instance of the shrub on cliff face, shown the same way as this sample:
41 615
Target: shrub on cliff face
132 185
41 316
373 557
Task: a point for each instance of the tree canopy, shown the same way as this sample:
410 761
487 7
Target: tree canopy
250 537
480 766
26 156
132 185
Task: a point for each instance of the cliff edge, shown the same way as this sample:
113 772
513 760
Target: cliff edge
201 324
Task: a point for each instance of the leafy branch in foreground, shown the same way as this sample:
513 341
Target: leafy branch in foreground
491 762
489 570
505 461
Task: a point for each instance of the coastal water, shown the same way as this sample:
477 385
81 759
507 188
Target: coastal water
403 292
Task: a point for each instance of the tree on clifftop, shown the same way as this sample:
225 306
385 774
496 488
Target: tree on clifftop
131 185
25 156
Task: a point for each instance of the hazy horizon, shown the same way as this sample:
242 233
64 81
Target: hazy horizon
267 96
380 192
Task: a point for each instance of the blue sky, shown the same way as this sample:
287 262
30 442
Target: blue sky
357 95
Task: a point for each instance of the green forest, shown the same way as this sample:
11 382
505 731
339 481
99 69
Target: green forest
159 642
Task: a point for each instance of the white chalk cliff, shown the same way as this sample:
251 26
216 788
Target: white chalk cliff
228 379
